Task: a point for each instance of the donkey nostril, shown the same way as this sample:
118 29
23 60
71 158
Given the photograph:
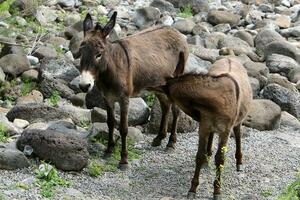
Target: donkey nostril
84 87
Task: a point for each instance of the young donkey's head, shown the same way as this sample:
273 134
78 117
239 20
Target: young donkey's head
92 48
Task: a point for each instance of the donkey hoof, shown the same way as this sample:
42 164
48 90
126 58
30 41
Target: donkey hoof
170 149
156 142
217 197
239 168
123 166
191 195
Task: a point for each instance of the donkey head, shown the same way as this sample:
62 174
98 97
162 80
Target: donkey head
92 48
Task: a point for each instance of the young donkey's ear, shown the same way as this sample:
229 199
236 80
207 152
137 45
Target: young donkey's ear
110 25
87 23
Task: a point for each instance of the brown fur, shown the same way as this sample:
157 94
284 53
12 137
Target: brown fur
141 61
220 101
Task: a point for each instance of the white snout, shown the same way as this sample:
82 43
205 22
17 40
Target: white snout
86 81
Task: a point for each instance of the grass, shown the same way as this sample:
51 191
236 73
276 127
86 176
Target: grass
84 123
292 192
3 133
103 19
96 169
186 12
5 6
266 193
48 179
150 100
27 86
54 98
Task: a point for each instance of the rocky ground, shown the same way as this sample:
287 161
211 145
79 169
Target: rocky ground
271 163
45 116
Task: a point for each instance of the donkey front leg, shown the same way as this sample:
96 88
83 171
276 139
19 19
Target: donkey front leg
238 154
111 126
172 139
123 164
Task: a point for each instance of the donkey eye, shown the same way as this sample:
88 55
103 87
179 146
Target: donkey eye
98 56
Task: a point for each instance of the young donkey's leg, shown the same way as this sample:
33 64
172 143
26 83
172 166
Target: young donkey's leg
238 154
123 164
172 139
200 158
219 161
165 110
111 125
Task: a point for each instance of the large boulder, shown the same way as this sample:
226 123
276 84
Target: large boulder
59 69
265 37
2 76
283 48
94 98
66 152
204 53
281 64
34 96
220 17
196 65
45 52
282 81
14 64
11 129
184 25
258 71
163 6
36 113
49 85
196 5
185 123
147 16
288 101
12 159
244 35
294 75
269 119
289 120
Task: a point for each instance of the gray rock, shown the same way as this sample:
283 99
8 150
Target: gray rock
10 127
291 32
211 41
287 100
59 69
48 85
282 81
185 123
71 18
31 74
269 119
265 8
236 44
45 15
21 123
281 64
255 86
98 115
163 6
94 98
100 130
68 3
135 134
244 35
75 43
294 75
147 16
76 113
196 65
34 96
66 152
58 41
223 28
265 37
205 54
289 120
36 113
12 159
202 28
283 48
138 111
45 52
220 17
2 76
184 25
11 49
14 64
78 99
72 193
197 5
65 127
283 21
33 60
166 20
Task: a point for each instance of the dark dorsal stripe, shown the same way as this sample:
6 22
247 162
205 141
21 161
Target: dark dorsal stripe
120 42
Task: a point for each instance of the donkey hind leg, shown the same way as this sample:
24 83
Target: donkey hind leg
165 110
209 147
219 161
111 125
200 160
238 154
172 139
123 164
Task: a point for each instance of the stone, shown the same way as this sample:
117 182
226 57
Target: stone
20 21
75 43
68 3
36 113
34 96
12 159
283 48
289 120
100 130
33 60
196 65
204 53
185 123
11 49
255 86
95 98
234 43
138 111
269 119
287 100
223 28
258 71
21 123
265 37
45 15
283 21
184 25
98 115
14 64
202 29
282 81
76 113
49 85
211 41
281 64
244 35
294 75
167 20
45 52
2 76
31 74
220 17
291 32
146 16
58 41
72 193
197 5
66 127
135 134
163 6
59 69
66 152
78 99
71 18
11 129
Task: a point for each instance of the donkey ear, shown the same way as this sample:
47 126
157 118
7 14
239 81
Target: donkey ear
87 23
110 25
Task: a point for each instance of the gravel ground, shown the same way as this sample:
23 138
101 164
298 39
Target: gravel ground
271 162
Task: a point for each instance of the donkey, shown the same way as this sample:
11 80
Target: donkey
123 68
219 101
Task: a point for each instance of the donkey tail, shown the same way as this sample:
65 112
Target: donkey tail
180 65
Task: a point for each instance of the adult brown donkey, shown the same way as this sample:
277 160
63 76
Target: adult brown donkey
123 68
220 101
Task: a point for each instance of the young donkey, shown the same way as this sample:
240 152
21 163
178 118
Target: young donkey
123 68
220 101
